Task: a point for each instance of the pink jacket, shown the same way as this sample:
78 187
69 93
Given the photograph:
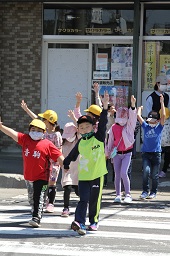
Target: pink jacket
126 132
70 177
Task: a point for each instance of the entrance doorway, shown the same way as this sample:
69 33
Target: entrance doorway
70 67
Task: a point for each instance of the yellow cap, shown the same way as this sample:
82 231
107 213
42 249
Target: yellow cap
38 123
94 109
50 115
167 113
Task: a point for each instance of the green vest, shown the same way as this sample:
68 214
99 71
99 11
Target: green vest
92 163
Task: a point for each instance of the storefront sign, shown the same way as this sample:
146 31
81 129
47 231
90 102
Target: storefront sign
100 75
98 30
150 65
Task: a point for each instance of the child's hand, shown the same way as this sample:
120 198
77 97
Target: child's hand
96 87
0 123
24 105
78 96
112 110
72 115
133 101
105 100
161 98
139 110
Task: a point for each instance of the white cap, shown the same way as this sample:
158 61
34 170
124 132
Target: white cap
161 79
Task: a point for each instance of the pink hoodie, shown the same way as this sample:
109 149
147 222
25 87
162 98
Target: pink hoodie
126 132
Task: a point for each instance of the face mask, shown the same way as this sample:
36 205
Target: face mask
71 139
121 121
153 125
162 87
86 135
36 135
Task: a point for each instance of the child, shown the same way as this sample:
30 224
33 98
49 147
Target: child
69 179
93 111
151 149
36 152
165 144
50 119
121 136
92 168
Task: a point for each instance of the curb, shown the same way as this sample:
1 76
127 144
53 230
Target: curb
9 180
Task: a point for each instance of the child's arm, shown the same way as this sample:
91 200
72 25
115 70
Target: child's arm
78 99
77 107
163 114
60 159
97 97
139 115
100 134
72 116
29 112
8 131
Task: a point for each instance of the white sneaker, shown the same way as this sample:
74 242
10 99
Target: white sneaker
162 174
117 199
128 199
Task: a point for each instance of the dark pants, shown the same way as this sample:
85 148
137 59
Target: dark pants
166 151
151 166
67 192
90 192
40 190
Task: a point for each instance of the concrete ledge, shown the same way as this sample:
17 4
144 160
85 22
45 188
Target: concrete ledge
9 180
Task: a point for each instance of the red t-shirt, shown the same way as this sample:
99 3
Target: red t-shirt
36 155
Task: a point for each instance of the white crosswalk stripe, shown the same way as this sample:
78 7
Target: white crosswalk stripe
115 224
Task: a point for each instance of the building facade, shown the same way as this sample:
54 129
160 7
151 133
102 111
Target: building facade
51 50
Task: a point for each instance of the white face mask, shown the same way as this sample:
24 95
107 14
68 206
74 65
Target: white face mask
121 121
71 139
162 87
153 125
36 135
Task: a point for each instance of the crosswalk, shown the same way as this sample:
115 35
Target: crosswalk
123 229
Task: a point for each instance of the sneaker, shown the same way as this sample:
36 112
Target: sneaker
93 227
49 208
162 174
151 195
117 200
65 212
128 199
79 227
144 195
35 222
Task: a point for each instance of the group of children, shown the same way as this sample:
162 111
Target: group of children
82 151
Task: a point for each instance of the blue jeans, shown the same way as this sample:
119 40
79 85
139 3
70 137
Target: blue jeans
151 166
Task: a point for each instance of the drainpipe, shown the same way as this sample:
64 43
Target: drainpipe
136 29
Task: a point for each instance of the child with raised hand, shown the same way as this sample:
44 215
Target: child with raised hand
36 152
69 179
93 111
92 168
50 119
151 149
119 148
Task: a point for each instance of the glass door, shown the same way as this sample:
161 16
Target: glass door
112 70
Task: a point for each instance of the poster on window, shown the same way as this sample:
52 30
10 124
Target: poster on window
118 94
121 64
101 61
165 67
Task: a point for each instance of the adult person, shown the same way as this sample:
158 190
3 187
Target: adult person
153 100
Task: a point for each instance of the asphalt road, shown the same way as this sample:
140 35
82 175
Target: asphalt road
141 228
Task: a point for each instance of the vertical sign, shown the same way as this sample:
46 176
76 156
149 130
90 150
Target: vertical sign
150 65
